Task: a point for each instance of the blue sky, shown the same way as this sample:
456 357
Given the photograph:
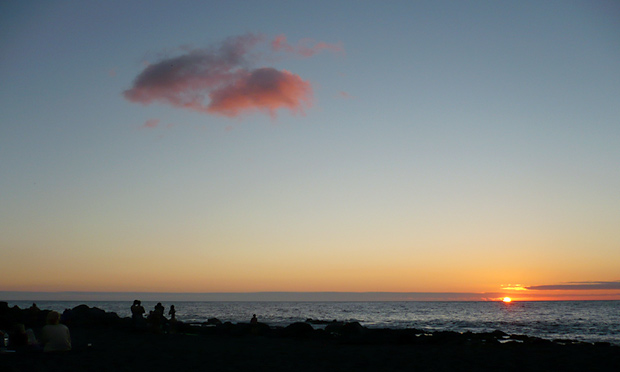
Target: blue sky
449 146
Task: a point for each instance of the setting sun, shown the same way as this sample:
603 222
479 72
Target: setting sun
507 299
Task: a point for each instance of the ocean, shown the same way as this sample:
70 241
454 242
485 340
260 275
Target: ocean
588 321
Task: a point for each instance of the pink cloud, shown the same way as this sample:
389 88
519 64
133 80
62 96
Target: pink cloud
265 89
219 80
305 47
151 123
279 43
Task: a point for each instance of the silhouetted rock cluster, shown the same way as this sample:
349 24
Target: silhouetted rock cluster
103 341
79 316
345 332
84 316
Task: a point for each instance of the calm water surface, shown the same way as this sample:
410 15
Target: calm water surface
590 321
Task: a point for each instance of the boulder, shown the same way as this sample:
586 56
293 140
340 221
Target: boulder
83 315
213 321
352 328
298 329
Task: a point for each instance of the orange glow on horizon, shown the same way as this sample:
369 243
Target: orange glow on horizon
507 299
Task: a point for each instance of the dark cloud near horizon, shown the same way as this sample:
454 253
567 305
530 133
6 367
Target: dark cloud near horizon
577 286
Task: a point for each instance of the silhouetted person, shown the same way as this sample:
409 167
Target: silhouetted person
18 339
172 313
159 312
55 336
33 344
137 310
172 324
154 321
159 309
254 319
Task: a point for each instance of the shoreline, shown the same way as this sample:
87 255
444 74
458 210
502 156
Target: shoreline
103 341
588 321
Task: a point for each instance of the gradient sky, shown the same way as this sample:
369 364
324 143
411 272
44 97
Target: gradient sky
402 146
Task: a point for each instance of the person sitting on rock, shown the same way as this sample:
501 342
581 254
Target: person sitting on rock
254 319
55 336
18 339
22 339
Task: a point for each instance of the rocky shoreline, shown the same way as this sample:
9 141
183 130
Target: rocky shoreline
103 341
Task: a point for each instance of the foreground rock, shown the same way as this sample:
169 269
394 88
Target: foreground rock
105 342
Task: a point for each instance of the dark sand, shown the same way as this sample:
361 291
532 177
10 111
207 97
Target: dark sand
122 349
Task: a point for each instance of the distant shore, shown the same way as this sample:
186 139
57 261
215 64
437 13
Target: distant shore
105 342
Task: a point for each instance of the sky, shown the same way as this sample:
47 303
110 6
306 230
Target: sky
421 147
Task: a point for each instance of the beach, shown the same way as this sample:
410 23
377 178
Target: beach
109 343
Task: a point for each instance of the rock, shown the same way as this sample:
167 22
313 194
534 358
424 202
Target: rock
352 328
450 338
298 329
260 329
320 322
334 327
213 321
602 344
240 329
83 315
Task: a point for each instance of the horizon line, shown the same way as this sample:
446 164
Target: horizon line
284 296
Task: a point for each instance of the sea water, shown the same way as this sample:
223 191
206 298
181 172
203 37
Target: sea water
589 321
